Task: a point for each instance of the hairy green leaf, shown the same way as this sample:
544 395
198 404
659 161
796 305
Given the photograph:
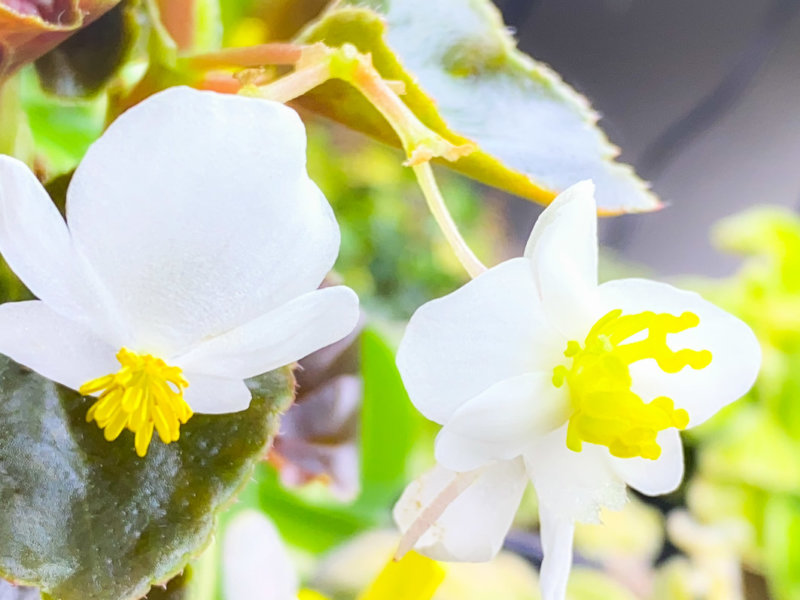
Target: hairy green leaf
85 519
466 80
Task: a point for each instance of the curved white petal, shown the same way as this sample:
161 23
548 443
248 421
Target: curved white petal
501 422
211 395
557 534
655 477
573 485
490 330
562 249
255 564
280 337
36 244
736 354
474 526
34 335
196 212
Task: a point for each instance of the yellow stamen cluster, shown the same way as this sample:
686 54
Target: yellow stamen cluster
145 394
604 409
413 577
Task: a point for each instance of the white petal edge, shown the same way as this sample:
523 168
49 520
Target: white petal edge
36 244
557 534
655 477
255 564
562 250
573 485
500 423
474 526
736 354
280 337
196 213
34 335
211 395
491 329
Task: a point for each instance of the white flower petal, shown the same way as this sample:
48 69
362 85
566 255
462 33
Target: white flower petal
500 423
736 354
255 564
563 252
36 244
557 534
491 329
573 485
655 477
474 526
196 212
280 337
34 335
211 395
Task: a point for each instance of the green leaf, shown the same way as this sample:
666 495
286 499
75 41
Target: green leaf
62 131
782 546
178 588
388 425
83 64
85 519
466 80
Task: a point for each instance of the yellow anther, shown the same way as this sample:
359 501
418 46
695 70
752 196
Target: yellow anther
604 409
145 394
413 577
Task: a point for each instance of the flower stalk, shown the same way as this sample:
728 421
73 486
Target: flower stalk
318 63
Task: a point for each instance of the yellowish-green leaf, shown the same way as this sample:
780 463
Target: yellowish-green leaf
466 80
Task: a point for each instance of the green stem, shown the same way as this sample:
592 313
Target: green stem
319 64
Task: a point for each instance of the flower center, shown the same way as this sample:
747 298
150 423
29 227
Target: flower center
146 393
604 409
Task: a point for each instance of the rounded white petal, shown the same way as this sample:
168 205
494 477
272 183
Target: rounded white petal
562 249
490 330
501 422
557 533
655 477
736 354
573 485
280 337
34 335
36 244
473 527
211 395
255 564
196 212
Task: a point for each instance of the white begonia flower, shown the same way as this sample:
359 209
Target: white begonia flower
194 246
538 373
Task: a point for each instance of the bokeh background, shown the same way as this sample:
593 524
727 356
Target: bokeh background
701 96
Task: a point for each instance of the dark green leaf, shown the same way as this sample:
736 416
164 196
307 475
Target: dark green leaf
466 80
85 519
177 589
83 64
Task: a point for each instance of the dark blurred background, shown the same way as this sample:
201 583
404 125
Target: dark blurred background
703 97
